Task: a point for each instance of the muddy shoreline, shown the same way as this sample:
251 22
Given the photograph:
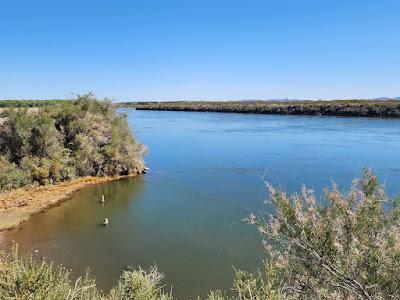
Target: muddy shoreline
16 206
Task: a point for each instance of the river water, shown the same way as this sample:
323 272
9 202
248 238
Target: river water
206 175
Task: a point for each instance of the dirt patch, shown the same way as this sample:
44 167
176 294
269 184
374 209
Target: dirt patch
16 206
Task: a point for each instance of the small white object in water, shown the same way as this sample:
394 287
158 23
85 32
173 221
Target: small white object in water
102 198
105 222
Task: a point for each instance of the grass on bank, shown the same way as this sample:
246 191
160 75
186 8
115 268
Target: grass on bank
346 246
65 140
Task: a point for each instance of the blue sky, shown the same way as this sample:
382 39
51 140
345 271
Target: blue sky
175 50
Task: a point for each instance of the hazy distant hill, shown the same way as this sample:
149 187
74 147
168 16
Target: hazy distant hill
386 98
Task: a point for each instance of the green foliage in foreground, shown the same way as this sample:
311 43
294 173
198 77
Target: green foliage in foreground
85 137
348 247
345 247
26 278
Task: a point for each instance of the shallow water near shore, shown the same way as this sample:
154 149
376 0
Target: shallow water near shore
206 175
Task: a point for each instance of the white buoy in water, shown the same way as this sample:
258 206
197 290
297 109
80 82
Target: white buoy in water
105 222
102 198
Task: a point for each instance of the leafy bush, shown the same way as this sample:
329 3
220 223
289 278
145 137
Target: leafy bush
25 277
346 247
139 284
85 137
11 176
15 134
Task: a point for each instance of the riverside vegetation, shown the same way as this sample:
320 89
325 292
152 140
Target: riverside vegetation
30 103
358 108
343 246
63 140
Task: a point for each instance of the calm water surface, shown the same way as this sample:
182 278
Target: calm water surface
206 176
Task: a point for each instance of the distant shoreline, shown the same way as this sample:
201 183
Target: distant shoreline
346 108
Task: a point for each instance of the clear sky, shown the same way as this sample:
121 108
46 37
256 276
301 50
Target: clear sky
204 49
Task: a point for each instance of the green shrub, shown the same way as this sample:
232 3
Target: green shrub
85 137
345 247
40 171
26 277
139 284
11 176
45 140
15 135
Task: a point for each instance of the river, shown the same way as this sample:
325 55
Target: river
206 175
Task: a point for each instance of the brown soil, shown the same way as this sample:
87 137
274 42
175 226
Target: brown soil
16 206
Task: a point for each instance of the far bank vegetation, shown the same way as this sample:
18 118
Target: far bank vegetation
64 140
349 108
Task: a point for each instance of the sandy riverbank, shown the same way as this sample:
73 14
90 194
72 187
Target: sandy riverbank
16 206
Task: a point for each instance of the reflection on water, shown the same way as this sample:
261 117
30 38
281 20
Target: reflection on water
73 233
206 175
